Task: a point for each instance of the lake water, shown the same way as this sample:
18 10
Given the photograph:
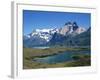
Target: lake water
41 47
61 57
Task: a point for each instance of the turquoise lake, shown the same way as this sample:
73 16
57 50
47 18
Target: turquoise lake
60 57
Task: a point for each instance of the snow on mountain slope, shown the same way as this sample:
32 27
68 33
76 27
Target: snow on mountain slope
45 34
53 35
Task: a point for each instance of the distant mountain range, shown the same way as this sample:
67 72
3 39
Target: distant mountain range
69 35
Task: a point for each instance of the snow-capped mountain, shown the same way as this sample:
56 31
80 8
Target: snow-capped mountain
45 34
53 36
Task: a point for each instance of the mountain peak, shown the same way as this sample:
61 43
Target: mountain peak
75 26
68 23
70 28
45 34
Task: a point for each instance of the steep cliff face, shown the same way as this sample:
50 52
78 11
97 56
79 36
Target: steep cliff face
71 28
69 35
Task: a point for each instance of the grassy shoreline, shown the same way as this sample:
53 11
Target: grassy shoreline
29 54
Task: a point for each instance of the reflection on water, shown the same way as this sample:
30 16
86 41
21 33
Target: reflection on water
61 57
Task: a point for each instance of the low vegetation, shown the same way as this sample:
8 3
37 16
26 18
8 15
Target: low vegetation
29 54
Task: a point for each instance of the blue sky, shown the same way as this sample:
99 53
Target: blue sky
46 19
